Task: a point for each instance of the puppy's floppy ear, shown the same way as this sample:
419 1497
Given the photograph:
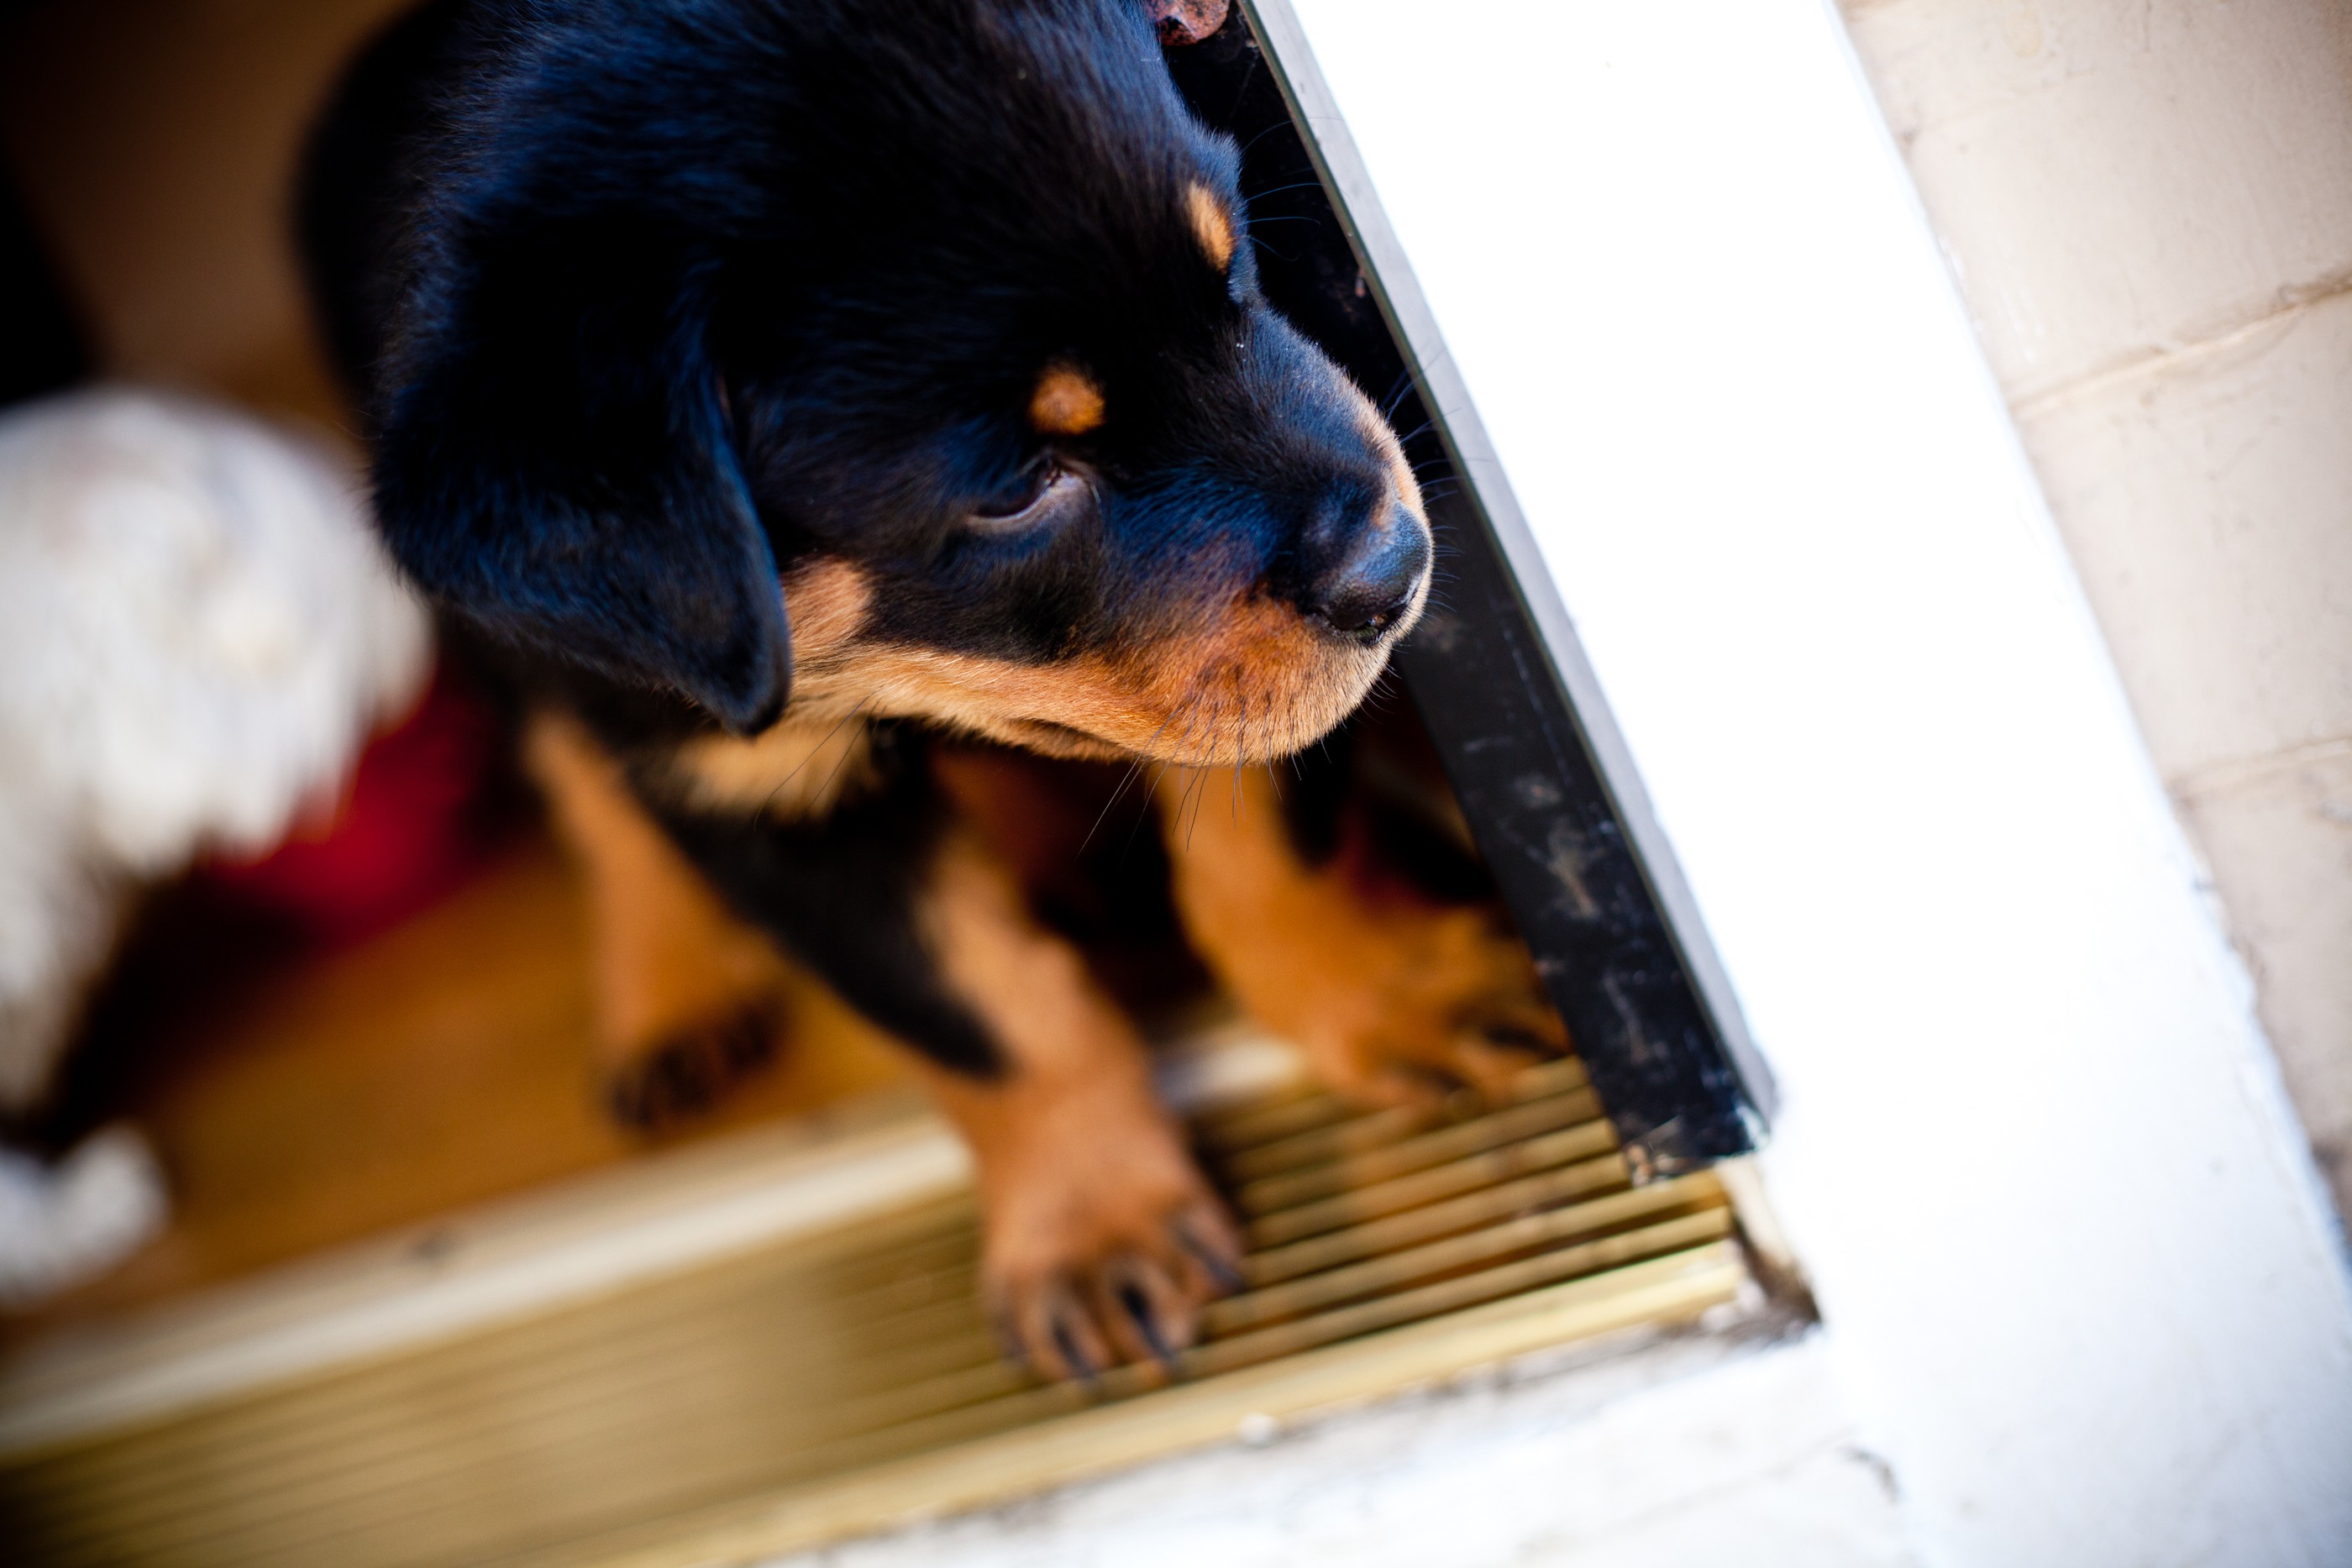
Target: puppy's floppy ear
553 461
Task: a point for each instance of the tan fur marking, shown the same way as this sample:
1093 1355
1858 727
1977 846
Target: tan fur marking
669 958
1081 1171
827 602
1067 401
1387 993
1211 224
1030 986
798 769
1255 682
803 765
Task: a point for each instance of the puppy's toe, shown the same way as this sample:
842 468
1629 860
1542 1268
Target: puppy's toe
1144 1310
1207 1250
1490 1056
1048 1325
1122 1309
1388 1075
1077 1304
1528 1031
690 1071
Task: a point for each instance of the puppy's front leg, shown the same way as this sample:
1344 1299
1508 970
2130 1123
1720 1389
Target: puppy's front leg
688 997
1099 1227
1103 1241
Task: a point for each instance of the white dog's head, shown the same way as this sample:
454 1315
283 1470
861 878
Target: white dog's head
197 630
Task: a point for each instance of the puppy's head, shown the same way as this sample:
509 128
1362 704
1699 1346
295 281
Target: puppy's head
919 339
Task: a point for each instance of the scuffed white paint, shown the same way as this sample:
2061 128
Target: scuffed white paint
2080 1284
1687 1453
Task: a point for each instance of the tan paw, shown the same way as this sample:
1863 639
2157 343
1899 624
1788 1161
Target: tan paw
1416 1002
1103 1240
1393 996
689 1070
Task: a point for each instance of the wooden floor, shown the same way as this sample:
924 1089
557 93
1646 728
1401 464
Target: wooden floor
439 1065
155 143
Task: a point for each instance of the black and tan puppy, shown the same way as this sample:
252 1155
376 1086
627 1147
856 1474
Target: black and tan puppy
788 383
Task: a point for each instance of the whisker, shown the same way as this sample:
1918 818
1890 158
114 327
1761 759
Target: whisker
1403 384
820 746
1233 800
1256 196
825 789
1277 125
1182 715
1133 769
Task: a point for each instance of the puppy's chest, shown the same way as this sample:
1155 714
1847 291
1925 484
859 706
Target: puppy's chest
798 771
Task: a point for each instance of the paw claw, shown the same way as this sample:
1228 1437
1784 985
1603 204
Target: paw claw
1075 1361
1009 1343
1217 1255
1076 1342
1141 1312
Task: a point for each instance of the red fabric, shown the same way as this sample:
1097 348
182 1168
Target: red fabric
406 832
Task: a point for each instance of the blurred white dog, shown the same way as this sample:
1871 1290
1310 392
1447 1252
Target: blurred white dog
198 633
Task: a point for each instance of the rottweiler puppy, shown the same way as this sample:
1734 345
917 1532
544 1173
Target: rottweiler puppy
788 384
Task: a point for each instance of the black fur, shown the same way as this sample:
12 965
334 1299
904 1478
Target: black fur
526 300
815 888
647 302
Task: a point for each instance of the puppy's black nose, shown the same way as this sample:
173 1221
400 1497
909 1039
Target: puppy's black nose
1373 584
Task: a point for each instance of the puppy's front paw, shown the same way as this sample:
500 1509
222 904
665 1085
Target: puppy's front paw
1103 1245
690 1070
1393 995
1411 1001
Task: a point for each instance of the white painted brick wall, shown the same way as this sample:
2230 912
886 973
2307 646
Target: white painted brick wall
2149 210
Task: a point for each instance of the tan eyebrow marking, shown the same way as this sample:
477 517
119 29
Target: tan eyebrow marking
1067 401
1211 226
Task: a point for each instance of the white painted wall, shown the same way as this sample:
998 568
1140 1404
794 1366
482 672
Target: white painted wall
2148 209
2080 1282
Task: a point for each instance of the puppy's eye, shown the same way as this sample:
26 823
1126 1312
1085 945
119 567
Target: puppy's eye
1042 494
1019 497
